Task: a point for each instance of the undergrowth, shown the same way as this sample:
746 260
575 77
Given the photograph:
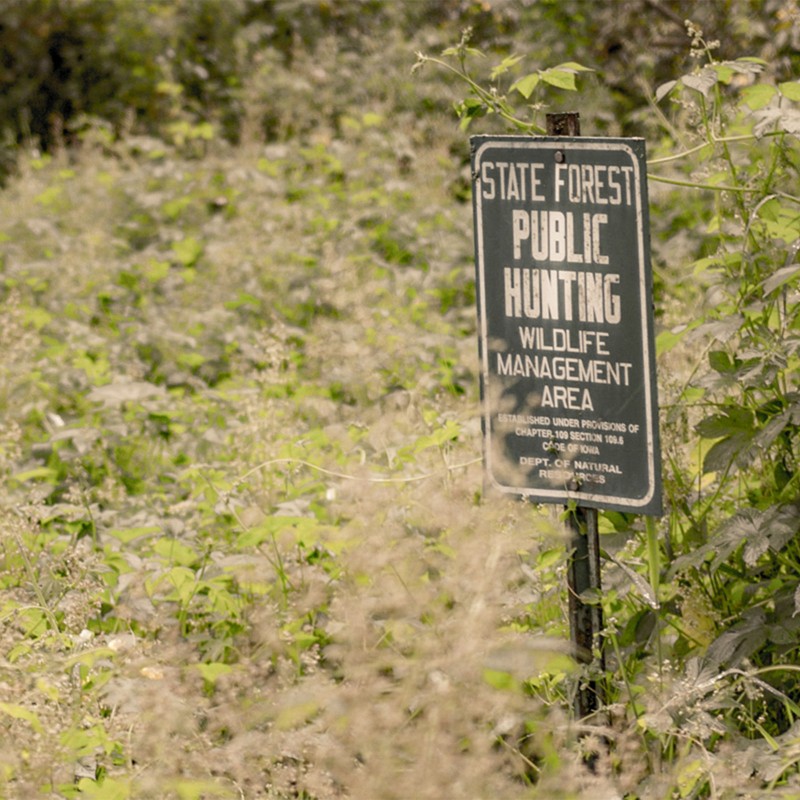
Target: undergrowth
700 611
243 550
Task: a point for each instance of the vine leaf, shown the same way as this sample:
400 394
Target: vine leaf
739 641
796 601
562 76
701 82
504 66
785 119
790 90
642 586
780 277
758 530
665 89
735 430
526 84
758 95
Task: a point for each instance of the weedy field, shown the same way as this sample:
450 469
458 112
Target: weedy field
245 550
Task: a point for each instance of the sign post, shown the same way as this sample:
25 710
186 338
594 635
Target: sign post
570 410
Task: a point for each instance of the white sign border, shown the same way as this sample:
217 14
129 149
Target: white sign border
566 144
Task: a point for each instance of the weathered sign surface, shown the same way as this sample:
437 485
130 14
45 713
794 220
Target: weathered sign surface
565 313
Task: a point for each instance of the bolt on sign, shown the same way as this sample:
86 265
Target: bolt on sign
568 382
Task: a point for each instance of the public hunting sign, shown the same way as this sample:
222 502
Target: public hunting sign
568 380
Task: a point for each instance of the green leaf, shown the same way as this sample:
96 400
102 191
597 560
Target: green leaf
664 90
688 777
732 421
470 109
175 207
191 360
184 582
211 672
780 277
36 317
573 66
205 130
20 712
735 430
175 552
549 558
459 50
127 535
156 270
35 474
169 88
720 361
449 432
718 178
740 641
49 196
89 658
790 90
716 261
666 340
187 251
504 66
701 82
294 715
304 640
526 84
269 528
82 741
560 78
692 394
499 679
107 789
758 95
724 72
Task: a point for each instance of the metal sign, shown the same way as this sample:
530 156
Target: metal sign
568 381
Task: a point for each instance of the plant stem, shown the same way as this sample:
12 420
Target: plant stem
654 572
718 187
493 102
745 137
52 622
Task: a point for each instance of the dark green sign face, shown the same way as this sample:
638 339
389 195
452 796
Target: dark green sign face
566 335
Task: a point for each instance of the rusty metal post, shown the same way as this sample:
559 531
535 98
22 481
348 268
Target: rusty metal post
595 582
583 572
566 124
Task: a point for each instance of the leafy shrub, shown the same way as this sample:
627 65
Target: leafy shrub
705 647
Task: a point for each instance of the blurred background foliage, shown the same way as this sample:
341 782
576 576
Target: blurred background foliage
171 69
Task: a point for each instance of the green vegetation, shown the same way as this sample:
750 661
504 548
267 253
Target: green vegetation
245 551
